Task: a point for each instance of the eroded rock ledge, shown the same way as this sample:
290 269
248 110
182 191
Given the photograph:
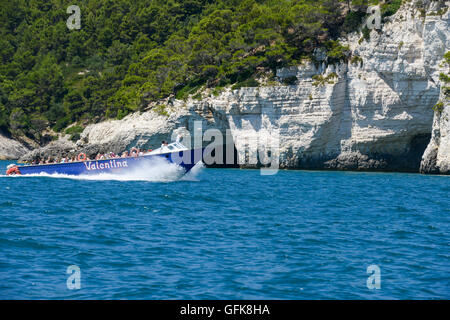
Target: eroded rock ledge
11 149
436 159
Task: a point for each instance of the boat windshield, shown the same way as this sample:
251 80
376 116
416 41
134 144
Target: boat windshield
173 147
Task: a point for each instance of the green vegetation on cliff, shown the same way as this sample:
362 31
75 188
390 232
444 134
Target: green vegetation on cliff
128 53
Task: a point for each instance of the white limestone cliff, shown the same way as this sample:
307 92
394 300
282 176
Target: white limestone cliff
436 158
11 149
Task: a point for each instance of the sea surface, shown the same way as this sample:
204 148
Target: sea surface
225 234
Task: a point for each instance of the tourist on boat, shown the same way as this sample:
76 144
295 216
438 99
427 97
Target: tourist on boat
134 152
164 144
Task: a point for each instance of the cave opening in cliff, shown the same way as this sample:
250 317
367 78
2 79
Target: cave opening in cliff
417 147
227 155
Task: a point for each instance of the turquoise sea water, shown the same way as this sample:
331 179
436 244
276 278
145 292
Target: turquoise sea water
226 234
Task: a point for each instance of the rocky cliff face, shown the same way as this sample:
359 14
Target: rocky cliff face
436 159
11 149
372 113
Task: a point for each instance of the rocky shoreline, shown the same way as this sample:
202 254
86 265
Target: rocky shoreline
373 113
11 149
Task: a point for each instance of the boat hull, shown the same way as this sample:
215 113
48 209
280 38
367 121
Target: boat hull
185 159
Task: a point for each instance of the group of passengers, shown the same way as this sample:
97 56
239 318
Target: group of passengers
134 152
51 160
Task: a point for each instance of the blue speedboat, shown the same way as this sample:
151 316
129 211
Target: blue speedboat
173 153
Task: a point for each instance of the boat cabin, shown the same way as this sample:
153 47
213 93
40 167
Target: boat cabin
172 147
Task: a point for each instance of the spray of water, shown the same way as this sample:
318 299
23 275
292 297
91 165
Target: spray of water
194 173
156 170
